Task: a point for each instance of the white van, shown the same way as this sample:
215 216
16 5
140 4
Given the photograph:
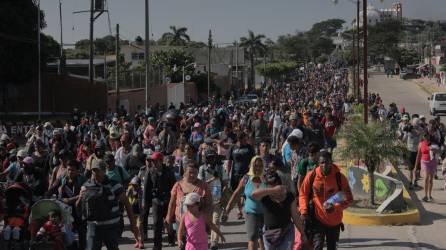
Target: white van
437 103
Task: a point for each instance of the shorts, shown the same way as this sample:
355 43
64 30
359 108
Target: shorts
254 226
412 160
429 167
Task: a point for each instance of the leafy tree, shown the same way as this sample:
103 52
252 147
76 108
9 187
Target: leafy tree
443 68
276 71
254 46
322 59
321 45
83 44
384 38
18 40
50 48
373 143
294 47
327 28
176 37
139 40
406 57
194 44
124 72
167 60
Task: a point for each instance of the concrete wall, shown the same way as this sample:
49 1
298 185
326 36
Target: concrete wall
60 93
132 98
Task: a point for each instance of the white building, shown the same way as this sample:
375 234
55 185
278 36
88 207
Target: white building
375 15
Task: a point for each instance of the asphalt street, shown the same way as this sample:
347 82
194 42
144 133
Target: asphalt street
429 234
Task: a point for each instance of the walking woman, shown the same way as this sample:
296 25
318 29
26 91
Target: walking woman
426 159
279 213
253 209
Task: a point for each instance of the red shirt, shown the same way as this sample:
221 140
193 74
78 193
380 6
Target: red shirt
425 150
330 125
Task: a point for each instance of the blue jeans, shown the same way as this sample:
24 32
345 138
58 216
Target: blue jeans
96 235
286 243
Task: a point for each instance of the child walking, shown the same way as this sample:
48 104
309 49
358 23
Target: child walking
193 224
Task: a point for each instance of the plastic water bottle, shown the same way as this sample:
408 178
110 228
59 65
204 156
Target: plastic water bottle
216 190
336 198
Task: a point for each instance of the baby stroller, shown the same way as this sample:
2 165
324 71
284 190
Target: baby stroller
18 198
39 216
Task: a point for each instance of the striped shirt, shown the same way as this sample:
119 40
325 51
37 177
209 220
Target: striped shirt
114 189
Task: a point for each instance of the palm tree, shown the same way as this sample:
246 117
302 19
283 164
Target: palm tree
373 143
253 44
177 37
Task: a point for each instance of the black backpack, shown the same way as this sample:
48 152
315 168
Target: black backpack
96 205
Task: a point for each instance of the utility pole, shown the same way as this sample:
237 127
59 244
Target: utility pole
91 41
61 40
354 61
209 63
117 68
358 59
236 64
366 95
147 54
38 63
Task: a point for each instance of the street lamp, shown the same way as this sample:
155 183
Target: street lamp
184 68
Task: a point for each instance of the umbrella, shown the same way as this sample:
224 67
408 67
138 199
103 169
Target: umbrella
40 210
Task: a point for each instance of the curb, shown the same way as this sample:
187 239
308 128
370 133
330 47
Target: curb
412 216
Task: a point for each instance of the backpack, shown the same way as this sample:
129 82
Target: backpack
311 213
97 206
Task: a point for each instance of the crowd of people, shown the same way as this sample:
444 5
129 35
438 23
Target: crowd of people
423 138
187 167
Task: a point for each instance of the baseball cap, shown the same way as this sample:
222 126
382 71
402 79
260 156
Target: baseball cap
197 125
100 124
99 164
47 124
157 155
4 137
405 118
22 153
298 133
422 117
191 199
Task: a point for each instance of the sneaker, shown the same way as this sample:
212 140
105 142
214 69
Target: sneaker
431 198
214 247
425 199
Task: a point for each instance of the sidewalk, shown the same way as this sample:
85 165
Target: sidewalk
429 85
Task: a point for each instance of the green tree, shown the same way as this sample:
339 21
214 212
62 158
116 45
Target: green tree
18 41
124 73
176 36
406 57
384 38
373 143
294 47
327 28
320 46
276 71
254 46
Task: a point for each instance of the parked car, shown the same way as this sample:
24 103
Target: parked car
437 103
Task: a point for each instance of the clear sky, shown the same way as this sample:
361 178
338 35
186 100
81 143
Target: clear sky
228 19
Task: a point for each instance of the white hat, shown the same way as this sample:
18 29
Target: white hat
4 137
115 119
298 133
100 124
22 153
422 116
47 124
191 199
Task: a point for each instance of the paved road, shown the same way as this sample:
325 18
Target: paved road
430 234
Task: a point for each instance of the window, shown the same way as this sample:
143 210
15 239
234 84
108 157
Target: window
141 56
134 56
440 97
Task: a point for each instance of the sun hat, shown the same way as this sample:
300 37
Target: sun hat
191 199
